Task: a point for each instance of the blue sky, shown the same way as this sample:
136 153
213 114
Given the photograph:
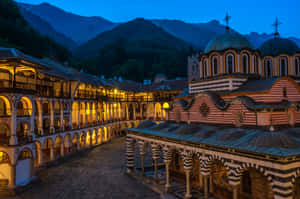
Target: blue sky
247 16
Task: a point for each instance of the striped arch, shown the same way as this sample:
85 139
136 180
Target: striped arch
207 164
187 157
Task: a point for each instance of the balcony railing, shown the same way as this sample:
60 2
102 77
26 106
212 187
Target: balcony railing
23 112
24 139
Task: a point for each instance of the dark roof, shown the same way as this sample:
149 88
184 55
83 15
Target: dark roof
277 46
146 124
167 85
184 93
256 85
229 40
278 143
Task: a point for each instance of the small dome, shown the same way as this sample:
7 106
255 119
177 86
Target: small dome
227 41
277 46
146 124
274 140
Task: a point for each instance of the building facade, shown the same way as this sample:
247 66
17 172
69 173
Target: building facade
48 111
234 133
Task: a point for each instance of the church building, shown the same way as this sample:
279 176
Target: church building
234 133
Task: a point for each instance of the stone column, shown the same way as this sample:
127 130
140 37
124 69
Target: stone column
91 113
206 178
79 109
13 140
85 115
167 160
161 113
51 103
12 182
142 154
127 113
71 115
129 154
40 117
167 185
134 112
32 119
201 181
62 149
141 112
211 186
52 153
96 113
188 186
62 126
188 166
40 159
235 191
155 157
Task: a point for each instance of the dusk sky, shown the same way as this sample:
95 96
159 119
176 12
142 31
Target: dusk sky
247 16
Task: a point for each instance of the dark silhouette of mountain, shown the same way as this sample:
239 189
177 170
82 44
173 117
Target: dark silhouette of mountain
136 30
193 34
80 29
16 32
46 29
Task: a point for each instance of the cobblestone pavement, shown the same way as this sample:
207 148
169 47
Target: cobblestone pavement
98 174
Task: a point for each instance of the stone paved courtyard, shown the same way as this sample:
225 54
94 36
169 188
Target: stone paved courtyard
98 173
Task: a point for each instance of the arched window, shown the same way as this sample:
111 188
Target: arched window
297 66
245 63
255 64
283 66
268 68
229 64
215 67
205 69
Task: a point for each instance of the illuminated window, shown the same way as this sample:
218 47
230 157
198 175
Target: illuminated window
166 106
3 157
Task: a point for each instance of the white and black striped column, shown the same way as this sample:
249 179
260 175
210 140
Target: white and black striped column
167 152
188 166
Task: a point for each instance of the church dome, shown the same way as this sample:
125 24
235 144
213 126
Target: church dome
277 46
227 41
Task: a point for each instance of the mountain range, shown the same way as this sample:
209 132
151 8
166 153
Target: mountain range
80 29
73 30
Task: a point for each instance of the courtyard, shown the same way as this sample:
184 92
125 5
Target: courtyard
96 173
